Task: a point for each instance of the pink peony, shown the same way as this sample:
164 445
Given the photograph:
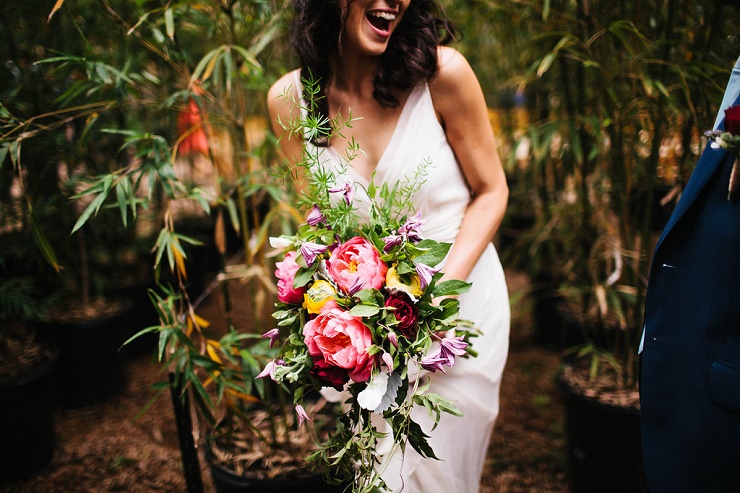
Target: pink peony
342 340
285 273
356 265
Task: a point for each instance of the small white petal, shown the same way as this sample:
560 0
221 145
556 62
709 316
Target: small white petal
280 242
372 396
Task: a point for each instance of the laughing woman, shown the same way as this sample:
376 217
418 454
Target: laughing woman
416 100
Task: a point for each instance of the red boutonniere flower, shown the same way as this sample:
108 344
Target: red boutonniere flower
729 139
732 120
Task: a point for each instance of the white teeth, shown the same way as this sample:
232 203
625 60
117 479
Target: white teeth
384 15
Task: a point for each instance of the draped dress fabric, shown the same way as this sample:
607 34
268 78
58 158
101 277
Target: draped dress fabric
473 384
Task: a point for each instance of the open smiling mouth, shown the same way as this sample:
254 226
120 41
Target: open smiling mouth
381 20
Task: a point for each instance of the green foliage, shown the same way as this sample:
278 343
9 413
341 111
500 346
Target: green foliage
96 90
619 94
17 299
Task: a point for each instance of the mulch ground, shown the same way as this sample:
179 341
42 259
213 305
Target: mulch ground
112 446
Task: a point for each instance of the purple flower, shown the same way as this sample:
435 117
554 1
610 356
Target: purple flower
449 349
452 347
273 335
358 285
392 241
434 361
269 371
425 274
315 216
388 360
347 190
301 413
311 250
411 229
393 338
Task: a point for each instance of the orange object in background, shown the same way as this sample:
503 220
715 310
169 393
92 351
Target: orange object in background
190 124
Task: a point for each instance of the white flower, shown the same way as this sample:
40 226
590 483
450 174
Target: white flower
280 243
372 396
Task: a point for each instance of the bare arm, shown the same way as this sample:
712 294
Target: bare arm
461 107
282 107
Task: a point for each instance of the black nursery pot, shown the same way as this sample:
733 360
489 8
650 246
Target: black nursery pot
226 481
27 436
92 364
603 445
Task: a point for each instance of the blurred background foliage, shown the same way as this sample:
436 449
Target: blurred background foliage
601 107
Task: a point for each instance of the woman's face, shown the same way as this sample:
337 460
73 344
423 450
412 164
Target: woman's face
370 23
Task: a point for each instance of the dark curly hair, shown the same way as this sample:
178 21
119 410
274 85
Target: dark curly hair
411 55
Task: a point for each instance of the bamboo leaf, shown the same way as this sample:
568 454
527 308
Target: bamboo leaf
219 233
3 154
248 57
233 214
141 20
44 246
54 9
179 258
123 192
169 22
92 208
161 246
205 67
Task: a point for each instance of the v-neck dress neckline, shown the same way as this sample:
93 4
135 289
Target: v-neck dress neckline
389 151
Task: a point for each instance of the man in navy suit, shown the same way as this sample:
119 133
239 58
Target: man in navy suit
690 377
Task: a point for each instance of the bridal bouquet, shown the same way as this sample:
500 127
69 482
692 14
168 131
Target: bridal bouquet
363 314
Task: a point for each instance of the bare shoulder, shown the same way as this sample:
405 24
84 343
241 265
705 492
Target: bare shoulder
454 87
282 98
283 107
453 71
284 86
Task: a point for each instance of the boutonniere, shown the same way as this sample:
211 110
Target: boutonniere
729 139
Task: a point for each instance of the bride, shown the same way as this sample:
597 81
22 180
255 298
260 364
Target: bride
413 99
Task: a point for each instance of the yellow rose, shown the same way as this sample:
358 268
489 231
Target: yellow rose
317 296
393 280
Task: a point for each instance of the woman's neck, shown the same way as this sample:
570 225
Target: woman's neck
352 74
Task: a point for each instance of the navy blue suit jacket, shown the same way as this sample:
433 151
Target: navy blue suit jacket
690 376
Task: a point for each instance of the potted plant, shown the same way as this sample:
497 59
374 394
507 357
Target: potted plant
26 379
213 166
620 95
48 145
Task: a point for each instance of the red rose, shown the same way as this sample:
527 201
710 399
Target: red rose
732 120
405 313
329 375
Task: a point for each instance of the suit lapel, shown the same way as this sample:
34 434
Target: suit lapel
708 162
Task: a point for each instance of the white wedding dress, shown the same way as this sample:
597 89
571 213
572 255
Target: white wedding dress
473 384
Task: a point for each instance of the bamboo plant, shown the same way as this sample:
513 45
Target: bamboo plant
619 95
190 91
